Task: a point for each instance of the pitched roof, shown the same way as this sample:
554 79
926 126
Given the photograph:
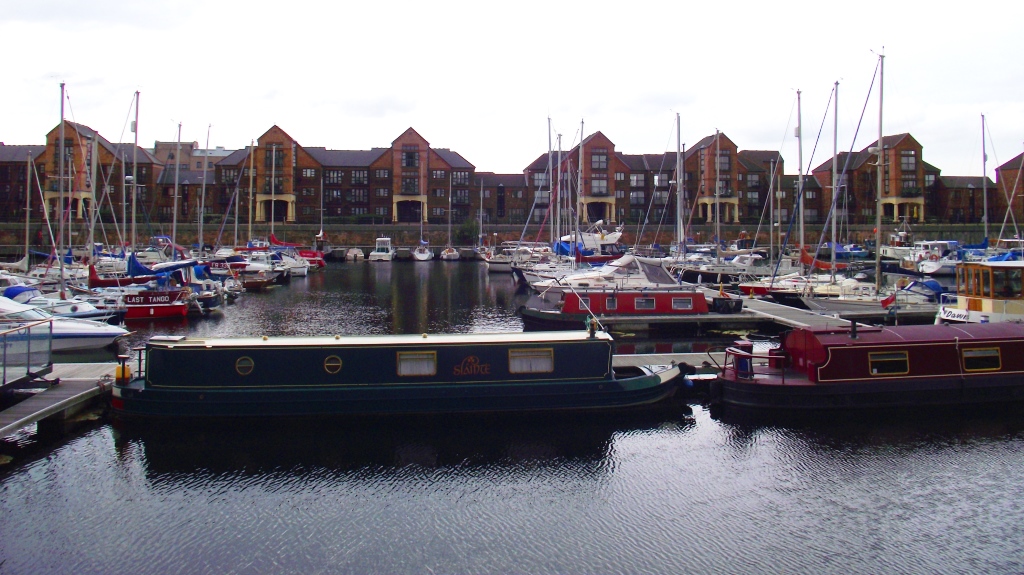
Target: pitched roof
19 153
491 180
764 158
185 177
1013 164
846 161
635 162
454 159
236 157
887 141
964 182
791 180
345 158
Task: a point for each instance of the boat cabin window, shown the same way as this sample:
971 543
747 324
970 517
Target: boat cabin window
531 360
414 363
584 303
682 303
644 303
611 302
1006 282
889 363
981 359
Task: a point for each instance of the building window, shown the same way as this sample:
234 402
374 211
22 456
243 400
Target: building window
410 157
359 211
620 194
661 180
636 198
410 185
908 160
599 159
636 180
307 210
382 174
308 172
438 175
460 178
460 197
540 179
381 210
382 192
199 165
360 177
599 187
753 180
229 176
620 176
660 198
437 212
929 180
439 193
516 194
333 196
909 181
724 163
334 176
308 192
357 196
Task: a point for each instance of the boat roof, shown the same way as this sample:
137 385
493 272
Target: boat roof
904 334
1009 264
407 340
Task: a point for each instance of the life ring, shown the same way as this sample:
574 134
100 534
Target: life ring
902 283
933 258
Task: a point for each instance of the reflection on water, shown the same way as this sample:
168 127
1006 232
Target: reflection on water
656 492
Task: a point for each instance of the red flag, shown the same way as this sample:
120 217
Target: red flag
889 300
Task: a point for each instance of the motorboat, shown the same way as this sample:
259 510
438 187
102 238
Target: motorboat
69 334
383 251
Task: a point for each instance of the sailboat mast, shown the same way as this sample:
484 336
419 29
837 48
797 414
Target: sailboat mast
273 175
579 188
800 172
984 178
835 178
555 226
28 203
251 172
94 157
135 171
680 230
881 179
174 218
718 186
60 195
202 192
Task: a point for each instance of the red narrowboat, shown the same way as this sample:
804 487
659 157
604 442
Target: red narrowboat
568 310
858 367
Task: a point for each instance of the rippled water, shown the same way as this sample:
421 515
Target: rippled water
663 492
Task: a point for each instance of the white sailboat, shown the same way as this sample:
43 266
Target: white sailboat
449 253
422 252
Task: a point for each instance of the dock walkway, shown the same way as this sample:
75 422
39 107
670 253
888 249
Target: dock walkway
79 384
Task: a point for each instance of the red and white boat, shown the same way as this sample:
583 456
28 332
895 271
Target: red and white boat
157 304
654 308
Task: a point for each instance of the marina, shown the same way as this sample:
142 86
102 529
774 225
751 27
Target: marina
302 492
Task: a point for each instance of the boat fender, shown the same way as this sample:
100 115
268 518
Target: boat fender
933 258
902 283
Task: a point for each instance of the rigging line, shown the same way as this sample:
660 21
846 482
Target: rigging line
764 209
799 202
1008 214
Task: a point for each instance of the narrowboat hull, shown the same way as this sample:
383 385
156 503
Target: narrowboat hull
830 369
381 375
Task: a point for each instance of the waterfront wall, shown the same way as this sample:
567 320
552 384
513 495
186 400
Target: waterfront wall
12 236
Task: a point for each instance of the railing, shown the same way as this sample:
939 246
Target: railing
740 363
27 352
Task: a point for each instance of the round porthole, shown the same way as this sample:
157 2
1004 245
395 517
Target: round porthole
244 365
332 364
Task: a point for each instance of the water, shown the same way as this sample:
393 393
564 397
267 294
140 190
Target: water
664 492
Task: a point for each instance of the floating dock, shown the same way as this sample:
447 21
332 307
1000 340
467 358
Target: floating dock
80 384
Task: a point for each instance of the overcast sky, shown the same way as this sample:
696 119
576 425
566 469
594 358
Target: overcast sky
483 78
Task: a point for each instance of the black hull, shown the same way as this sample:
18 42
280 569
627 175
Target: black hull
908 393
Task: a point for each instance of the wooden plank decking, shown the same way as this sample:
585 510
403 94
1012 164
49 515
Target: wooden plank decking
79 384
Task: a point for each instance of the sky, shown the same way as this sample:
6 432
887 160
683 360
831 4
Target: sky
483 79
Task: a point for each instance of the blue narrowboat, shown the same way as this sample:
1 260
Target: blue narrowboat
394 374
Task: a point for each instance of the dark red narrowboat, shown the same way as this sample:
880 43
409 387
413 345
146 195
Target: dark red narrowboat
858 367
